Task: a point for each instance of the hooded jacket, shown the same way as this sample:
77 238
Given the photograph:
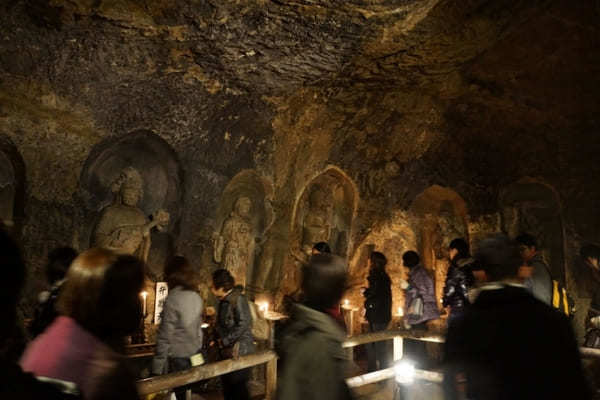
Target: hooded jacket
312 359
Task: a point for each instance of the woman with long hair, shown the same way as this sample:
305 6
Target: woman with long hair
98 305
180 332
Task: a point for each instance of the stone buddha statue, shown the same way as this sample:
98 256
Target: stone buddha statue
234 247
317 222
123 227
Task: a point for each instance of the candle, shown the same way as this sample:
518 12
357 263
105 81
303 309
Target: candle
400 312
346 303
144 296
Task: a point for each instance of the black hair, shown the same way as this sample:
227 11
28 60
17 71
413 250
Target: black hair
179 272
590 251
59 261
222 278
411 259
378 260
499 257
460 245
322 247
527 240
324 281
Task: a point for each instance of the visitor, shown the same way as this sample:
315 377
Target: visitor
534 271
378 308
14 383
311 356
420 306
459 279
179 335
233 329
59 261
99 305
508 344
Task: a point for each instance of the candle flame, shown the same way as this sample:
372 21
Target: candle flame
144 294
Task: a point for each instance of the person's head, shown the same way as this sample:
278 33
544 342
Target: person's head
321 247
102 293
590 254
59 261
324 281
377 261
458 249
410 259
527 246
499 257
243 206
179 272
13 279
222 283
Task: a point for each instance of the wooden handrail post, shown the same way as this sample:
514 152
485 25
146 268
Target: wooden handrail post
271 379
398 348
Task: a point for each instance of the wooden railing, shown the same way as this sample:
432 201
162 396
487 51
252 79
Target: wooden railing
213 370
269 357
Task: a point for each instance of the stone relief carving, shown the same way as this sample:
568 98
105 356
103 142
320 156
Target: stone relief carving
241 237
317 222
323 213
234 246
123 227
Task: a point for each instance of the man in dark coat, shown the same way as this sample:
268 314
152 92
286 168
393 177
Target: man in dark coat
510 345
459 279
378 308
234 329
313 363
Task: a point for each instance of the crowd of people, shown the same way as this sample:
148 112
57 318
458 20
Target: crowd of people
507 338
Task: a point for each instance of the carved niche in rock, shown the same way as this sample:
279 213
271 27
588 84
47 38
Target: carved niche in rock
441 216
323 213
123 227
243 219
533 207
12 178
128 186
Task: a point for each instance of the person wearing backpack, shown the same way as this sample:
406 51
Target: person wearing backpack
180 332
234 332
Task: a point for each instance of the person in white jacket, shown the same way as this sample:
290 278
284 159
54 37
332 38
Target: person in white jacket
180 332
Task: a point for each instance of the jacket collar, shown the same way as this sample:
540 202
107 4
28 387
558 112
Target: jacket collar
311 318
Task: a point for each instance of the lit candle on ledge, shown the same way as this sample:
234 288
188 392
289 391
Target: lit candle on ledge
144 296
346 303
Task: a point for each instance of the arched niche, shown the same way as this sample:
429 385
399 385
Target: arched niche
331 198
12 185
253 246
440 215
162 179
323 212
392 237
534 207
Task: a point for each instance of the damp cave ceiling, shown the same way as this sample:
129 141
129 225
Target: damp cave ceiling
536 61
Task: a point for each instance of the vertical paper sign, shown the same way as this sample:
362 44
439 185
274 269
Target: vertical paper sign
161 295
